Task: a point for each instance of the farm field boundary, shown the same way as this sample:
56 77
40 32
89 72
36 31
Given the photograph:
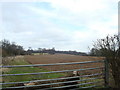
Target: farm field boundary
85 81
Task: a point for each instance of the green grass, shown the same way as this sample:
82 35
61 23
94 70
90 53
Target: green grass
19 70
29 77
93 80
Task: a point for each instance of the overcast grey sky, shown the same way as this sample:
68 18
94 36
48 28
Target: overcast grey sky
63 24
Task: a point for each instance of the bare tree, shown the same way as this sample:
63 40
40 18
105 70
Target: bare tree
11 49
110 48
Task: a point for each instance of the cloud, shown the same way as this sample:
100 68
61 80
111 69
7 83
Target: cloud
65 25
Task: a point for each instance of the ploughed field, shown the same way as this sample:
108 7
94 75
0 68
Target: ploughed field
48 59
65 58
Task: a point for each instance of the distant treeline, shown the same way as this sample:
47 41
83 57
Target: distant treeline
12 49
53 51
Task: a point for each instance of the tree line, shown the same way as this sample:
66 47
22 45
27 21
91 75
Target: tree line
53 51
12 49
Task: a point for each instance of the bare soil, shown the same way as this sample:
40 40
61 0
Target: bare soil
64 58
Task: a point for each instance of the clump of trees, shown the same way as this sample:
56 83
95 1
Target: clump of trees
11 49
109 47
44 50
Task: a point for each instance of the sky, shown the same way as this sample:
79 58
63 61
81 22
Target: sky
63 24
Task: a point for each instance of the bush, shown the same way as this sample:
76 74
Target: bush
109 47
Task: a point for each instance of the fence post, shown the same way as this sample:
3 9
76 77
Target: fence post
106 79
